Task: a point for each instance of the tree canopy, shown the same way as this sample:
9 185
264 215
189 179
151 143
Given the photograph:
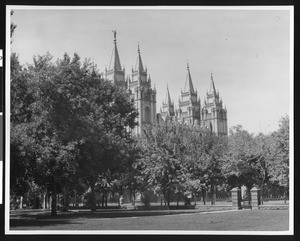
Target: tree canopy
74 120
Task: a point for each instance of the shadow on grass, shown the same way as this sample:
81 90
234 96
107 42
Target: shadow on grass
37 223
45 219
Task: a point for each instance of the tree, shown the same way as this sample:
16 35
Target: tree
241 165
279 154
77 121
23 149
160 158
203 159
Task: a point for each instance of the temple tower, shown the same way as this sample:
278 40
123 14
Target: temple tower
115 73
167 111
189 105
141 92
213 115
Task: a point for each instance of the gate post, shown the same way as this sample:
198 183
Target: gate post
236 198
255 197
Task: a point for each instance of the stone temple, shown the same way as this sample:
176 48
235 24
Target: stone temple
211 114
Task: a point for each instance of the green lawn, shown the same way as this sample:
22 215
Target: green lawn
243 220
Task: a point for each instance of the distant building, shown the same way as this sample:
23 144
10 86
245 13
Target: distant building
138 86
212 115
189 104
167 110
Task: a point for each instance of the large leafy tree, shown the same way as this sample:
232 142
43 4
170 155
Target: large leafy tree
77 121
160 161
241 163
202 158
257 160
279 154
23 148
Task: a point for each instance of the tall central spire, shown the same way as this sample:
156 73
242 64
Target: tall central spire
168 97
188 82
212 88
115 63
139 63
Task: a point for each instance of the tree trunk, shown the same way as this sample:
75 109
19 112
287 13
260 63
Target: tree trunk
54 201
168 198
102 201
50 202
214 197
93 208
248 193
66 201
203 196
262 191
44 200
130 195
105 198
165 197
133 193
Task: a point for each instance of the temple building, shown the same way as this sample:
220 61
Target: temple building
167 110
213 115
138 85
210 115
189 104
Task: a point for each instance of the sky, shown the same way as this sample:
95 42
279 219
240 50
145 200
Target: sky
247 51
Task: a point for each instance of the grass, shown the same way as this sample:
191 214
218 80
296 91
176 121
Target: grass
245 220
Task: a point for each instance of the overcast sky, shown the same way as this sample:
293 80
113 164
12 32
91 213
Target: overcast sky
248 51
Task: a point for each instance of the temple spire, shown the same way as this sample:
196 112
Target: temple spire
168 98
188 82
212 89
115 63
139 63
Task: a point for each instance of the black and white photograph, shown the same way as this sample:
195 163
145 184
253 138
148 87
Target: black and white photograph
149 120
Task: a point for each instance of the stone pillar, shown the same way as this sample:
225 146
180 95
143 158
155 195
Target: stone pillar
255 197
236 198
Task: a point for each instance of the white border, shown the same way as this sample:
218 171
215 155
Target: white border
7 122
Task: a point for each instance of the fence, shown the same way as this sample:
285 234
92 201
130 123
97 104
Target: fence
221 198
273 200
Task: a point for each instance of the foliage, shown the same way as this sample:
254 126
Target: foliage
241 161
279 156
70 131
178 159
160 162
258 160
76 121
